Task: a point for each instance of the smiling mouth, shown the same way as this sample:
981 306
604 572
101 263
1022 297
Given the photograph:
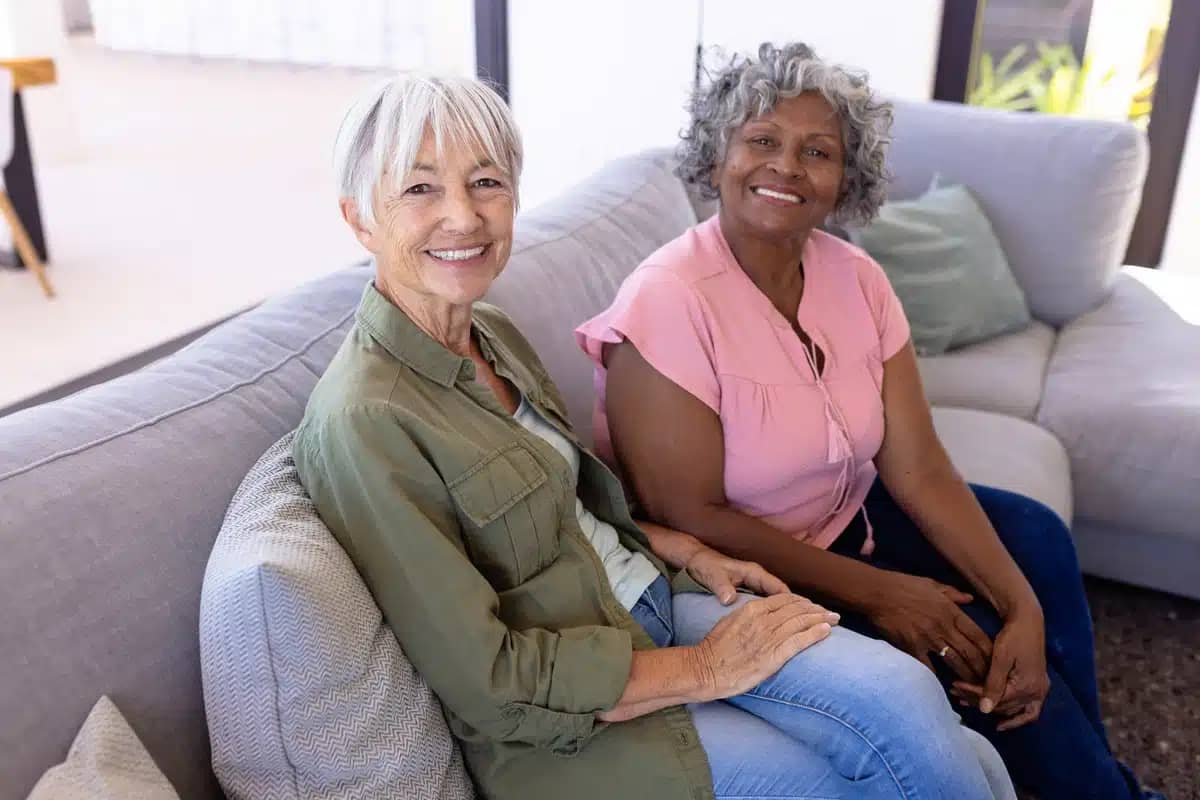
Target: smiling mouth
466 254
784 196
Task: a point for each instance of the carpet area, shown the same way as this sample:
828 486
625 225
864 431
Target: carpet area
1148 663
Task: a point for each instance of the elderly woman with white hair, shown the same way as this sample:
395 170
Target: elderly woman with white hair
506 561
760 390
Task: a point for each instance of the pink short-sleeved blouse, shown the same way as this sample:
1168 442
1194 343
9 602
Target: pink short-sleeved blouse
798 446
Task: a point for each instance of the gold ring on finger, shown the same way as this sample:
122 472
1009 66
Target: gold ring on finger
943 651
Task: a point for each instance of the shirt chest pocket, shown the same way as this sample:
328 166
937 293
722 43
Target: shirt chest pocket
509 515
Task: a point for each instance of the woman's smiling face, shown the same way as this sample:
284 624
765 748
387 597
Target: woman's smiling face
783 171
444 230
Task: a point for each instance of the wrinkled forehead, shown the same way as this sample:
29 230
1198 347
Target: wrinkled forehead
453 150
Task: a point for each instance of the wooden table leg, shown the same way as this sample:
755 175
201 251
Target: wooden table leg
19 182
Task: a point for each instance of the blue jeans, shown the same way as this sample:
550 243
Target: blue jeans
850 717
1064 754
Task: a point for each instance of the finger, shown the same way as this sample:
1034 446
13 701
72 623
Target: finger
789 626
1019 694
766 583
972 689
996 682
777 601
967 627
794 605
960 665
974 661
956 595
1031 713
721 584
805 639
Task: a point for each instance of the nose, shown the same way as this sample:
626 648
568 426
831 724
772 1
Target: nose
460 214
788 164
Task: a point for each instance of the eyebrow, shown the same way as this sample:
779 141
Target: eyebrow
483 163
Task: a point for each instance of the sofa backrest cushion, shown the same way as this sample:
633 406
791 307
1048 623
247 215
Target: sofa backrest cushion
1061 193
571 255
109 504
308 694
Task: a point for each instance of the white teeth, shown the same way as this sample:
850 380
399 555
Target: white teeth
456 255
791 198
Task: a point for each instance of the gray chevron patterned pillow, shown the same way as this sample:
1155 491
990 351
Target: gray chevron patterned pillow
307 692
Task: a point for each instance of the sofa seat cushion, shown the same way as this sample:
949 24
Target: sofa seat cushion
1123 395
1004 452
307 692
570 257
1004 374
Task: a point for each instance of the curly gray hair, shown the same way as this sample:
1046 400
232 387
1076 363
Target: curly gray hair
746 88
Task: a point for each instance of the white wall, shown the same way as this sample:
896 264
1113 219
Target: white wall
591 81
896 42
1182 250
31 28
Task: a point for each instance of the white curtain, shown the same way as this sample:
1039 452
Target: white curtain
399 34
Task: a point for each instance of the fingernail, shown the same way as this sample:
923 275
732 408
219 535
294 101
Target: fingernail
986 706
833 615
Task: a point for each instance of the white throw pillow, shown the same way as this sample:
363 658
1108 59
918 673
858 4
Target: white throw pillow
307 692
106 762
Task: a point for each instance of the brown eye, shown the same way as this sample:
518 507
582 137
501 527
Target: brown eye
420 188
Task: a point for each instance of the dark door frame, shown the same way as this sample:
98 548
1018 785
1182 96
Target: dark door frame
491 44
1174 97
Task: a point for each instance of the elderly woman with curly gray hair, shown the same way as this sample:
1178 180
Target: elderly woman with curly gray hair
505 558
760 390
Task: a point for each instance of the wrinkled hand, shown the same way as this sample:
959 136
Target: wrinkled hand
722 575
921 616
751 643
1017 683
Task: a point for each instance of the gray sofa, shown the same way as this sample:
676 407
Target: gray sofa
110 500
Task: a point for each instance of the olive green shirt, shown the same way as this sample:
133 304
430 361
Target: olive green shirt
463 525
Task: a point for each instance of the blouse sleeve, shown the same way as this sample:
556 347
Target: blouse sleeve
666 321
890 321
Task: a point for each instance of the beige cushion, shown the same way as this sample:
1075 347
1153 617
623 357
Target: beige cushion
1007 453
1123 395
105 762
1004 374
571 256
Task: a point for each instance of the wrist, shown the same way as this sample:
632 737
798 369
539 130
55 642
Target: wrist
1020 606
703 673
872 594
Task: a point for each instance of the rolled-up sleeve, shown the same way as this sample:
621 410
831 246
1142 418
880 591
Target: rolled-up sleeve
391 511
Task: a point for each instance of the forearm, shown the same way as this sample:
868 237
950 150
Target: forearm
674 547
823 576
669 676
945 509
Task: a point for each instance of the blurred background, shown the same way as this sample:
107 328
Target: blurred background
177 152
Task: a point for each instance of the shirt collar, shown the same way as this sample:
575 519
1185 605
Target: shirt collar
401 337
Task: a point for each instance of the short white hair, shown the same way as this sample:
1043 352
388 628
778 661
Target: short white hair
383 129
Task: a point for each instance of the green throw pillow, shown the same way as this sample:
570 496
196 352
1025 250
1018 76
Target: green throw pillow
947 267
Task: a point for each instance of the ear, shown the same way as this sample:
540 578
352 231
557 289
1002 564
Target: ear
363 231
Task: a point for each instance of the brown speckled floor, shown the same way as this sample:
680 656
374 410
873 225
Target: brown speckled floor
1148 660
